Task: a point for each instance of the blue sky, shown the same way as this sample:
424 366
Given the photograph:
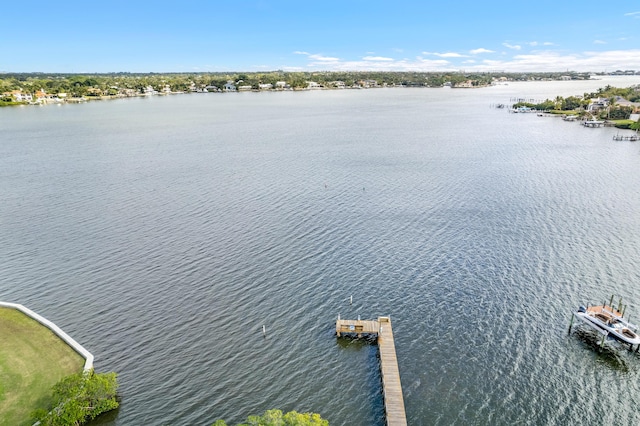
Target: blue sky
261 35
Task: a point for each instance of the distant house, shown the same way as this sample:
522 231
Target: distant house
18 96
267 86
621 72
338 84
202 89
467 83
597 104
244 88
43 97
623 102
369 83
94 91
282 85
229 87
312 85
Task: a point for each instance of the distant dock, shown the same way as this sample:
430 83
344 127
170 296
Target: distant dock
593 123
391 387
631 138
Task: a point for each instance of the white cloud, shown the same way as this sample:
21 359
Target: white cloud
480 50
634 14
537 43
376 58
599 42
322 58
554 61
316 59
316 56
419 64
548 60
445 55
512 46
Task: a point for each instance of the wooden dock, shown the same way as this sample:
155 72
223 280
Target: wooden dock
391 387
631 138
593 123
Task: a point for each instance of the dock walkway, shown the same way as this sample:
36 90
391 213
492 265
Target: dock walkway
631 138
391 387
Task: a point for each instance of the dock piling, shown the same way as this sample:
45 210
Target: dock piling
571 323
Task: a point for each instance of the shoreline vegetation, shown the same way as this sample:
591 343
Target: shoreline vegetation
41 88
278 418
618 106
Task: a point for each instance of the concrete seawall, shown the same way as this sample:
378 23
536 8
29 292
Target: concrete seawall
88 364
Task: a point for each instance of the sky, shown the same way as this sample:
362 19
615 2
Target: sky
349 35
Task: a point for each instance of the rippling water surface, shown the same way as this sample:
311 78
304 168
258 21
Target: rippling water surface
163 233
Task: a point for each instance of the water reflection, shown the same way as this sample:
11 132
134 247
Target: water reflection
609 353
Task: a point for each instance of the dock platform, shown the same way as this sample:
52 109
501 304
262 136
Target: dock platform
391 387
593 123
631 138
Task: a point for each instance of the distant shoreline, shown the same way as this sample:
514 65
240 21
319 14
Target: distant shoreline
36 88
73 100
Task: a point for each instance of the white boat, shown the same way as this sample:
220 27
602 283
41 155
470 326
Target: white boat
609 321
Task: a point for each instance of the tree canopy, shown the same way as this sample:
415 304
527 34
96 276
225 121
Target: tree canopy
77 85
79 398
277 418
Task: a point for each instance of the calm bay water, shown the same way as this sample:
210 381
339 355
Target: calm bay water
162 233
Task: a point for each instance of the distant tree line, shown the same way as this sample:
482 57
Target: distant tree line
77 85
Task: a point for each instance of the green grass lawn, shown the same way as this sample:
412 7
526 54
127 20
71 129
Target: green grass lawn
623 124
32 360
